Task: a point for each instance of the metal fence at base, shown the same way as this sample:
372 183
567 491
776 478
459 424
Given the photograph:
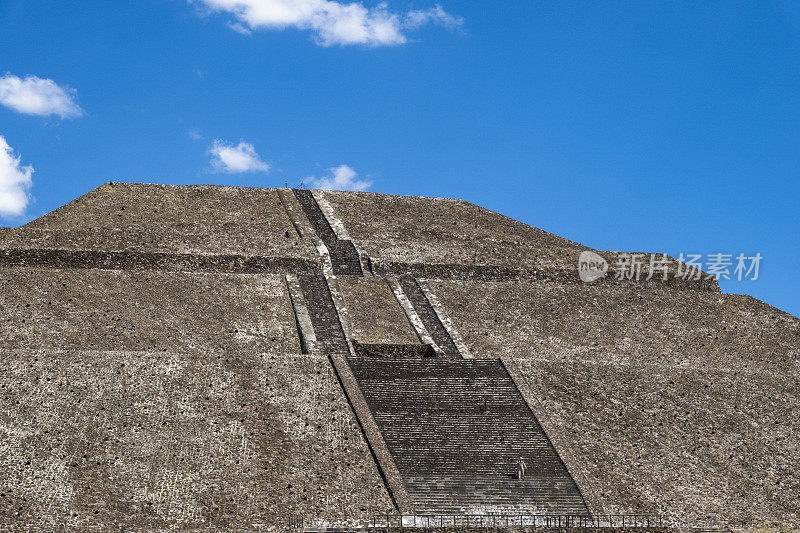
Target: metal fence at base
503 520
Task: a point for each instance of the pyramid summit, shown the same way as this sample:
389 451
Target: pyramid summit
187 357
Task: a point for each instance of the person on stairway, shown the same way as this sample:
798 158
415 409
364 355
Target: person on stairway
521 468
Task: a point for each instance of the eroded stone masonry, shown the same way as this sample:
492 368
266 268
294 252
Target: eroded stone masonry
181 358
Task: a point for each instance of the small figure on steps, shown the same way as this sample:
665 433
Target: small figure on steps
521 468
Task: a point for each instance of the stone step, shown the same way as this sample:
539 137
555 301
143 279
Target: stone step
315 215
343 254
322 312
457 430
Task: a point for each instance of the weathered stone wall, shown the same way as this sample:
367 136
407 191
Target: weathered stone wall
142 260
367 215
375 314
439 237
144 333
165 400
198 219
563 271
635 322
163 240
672 402
436 230
121 310
167 440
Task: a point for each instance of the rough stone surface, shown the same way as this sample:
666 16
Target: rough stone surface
118 310
167 440
634 322
151 380
438 230
677 403
201 219
375 314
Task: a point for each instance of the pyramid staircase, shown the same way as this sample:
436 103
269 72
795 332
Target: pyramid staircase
343 253
450 435
458 430
324 318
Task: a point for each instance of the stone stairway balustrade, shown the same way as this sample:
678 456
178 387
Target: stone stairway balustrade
428 316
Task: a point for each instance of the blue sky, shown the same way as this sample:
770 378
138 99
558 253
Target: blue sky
641 126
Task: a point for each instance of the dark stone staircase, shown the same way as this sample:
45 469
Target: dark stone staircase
344 255
324 317
450 433
428 316
457 430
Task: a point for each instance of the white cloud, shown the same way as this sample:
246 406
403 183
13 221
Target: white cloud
332 22
237 159
342 178
239 28
434 15
15 181
38 96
